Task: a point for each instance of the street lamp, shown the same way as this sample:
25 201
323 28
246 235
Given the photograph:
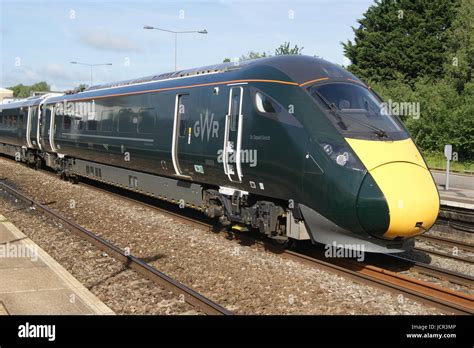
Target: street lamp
204 31
91 66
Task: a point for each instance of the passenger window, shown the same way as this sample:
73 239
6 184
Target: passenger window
127 121
91 125
67 122
107 121
14 121
146 120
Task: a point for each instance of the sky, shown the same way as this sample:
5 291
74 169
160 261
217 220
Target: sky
39 39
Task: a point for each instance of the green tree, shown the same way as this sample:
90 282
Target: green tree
446 116
404 36
253 55
81 87
22 91
284 48
460 46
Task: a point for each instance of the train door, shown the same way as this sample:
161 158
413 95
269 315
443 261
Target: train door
45 122
233 136
32 128
47 128
181 134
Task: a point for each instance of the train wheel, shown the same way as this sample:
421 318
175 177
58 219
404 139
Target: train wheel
73 179
38 164
282 243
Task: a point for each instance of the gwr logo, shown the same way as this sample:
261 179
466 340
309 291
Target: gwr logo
206 127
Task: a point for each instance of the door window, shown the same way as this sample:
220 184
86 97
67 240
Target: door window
183 114
235 109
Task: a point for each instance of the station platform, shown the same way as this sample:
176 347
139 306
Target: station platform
33 283
460 193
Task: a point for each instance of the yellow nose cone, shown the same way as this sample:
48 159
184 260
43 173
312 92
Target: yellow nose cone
401 174
411 196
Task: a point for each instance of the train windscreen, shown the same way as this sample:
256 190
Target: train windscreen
358 110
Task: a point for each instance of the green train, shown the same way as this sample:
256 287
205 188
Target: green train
293 146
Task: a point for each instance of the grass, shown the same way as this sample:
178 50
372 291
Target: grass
438 161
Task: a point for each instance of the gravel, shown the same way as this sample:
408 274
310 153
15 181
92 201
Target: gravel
123 290
239 277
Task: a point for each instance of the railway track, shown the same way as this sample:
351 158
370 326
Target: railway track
459 219
433 271
446 255
447 242
447 300
452 302
187 294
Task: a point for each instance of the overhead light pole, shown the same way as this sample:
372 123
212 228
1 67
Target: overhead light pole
91 66
175 33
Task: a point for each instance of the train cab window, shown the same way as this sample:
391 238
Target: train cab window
360 110
107 121
146 120
127 121
183 113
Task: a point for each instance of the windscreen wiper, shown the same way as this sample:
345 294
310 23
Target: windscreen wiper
334 110
376 130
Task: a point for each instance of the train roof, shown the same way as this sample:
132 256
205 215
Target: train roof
298 67
293 69
26 101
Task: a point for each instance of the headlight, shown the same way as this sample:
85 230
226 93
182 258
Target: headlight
343 156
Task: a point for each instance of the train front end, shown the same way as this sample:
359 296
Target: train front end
382 193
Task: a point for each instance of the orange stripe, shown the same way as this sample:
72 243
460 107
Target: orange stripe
183 87
317 80
360 83
327 78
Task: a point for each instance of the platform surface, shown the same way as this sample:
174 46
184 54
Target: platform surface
460 192
32 282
